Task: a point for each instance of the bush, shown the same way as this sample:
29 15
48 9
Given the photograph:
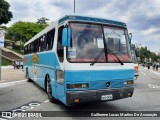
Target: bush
5 62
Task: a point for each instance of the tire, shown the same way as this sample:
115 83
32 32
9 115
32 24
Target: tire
27 76
49 90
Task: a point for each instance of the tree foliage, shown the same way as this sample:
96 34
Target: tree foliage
146 54
5 14
3 27
42 20
23 31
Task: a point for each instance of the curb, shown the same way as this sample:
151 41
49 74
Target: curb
153 71
2 85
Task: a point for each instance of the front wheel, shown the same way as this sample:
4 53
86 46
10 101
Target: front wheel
49 91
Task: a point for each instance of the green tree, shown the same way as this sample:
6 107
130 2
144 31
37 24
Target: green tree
42 20
23 31
145 53
3 27
154 57
5 14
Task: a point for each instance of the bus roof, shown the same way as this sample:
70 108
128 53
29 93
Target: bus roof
90 19
77 18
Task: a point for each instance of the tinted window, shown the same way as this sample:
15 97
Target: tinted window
32 46
60 49
25 50
43 42
29 48
50 39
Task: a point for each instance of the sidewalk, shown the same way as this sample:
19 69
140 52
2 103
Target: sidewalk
151 69
8 74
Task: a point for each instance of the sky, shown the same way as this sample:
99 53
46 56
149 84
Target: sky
141 16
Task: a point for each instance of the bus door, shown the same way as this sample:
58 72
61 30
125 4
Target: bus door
60 87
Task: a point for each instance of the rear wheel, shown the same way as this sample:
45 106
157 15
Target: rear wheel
27 76
49 91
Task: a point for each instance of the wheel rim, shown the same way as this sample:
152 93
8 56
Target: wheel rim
49 89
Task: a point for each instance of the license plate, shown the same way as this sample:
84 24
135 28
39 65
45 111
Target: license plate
107 97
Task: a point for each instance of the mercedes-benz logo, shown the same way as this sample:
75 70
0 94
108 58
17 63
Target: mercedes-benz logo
107 84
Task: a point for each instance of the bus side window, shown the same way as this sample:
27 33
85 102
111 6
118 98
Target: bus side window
29 48
39 45
32 47
36 45
43 42
60 48
25 49
50 39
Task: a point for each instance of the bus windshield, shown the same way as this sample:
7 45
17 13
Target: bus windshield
88 40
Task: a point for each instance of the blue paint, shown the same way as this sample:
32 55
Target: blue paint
90 19
98 78
46 58
48 63
66 37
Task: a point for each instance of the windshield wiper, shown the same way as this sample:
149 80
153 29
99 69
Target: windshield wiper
110 51
101 53
97 57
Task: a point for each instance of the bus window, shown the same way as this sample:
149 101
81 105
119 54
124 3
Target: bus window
39 45
43 42
60 49
50 39
25 50
29 49
36 45
116 42
32 47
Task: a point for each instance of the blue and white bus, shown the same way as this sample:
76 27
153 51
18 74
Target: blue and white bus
80 59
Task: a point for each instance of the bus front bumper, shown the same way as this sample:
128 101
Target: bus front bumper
76 97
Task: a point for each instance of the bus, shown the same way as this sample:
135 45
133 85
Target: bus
134 59
79 59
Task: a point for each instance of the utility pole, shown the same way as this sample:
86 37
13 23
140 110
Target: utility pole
74 6
139 52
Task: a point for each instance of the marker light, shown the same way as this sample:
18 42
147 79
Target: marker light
129 82
129 94
76 100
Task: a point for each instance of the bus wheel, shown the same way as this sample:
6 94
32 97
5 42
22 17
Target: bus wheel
49 91
27 76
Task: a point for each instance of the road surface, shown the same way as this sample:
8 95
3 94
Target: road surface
146 98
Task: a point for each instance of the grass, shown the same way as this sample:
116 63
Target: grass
5 62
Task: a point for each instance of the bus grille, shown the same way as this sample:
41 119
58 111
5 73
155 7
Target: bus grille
102 84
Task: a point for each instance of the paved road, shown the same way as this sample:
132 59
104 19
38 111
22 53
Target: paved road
146 98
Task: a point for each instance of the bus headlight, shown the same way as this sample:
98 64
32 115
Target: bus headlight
129 82
73 86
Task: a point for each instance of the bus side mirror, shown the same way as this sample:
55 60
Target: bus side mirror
130 37
66 37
